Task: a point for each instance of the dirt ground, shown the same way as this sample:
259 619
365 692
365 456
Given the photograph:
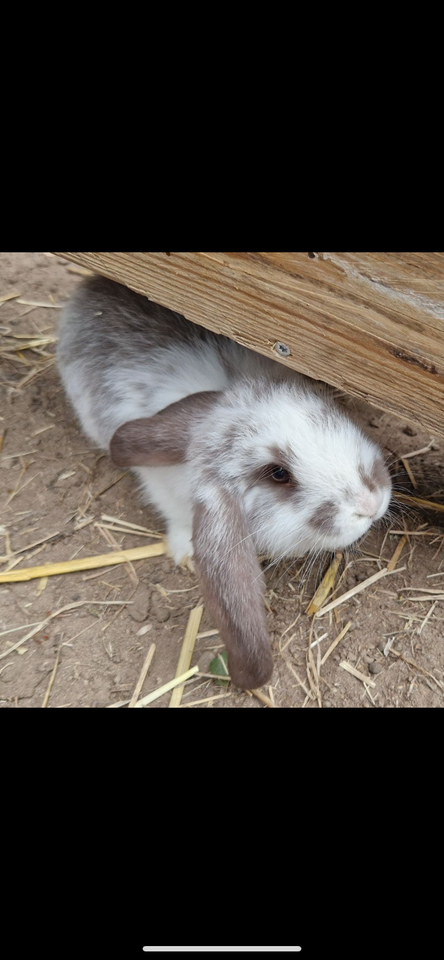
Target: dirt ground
55 489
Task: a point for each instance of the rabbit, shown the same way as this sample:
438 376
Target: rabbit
240 454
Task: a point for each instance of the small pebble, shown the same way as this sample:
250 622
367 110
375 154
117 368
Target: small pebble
139 608
163 614
204 661
375 667
409 431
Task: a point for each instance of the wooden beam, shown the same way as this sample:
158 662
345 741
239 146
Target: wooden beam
371 324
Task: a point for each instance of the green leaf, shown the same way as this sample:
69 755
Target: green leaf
219 667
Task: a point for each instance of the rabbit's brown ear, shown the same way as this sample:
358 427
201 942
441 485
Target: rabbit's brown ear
162 439
232 585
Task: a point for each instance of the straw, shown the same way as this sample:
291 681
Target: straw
186 652
87 563
394 559
143 674
166 687
51 681
335 642
356 673
357 589
325 586
419 502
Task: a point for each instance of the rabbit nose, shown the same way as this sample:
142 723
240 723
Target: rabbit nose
369 504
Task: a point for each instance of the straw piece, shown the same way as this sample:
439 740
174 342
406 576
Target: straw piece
22 453
325 586
166 687
319 640
125 523
427 596
130 533
394 559
87 563
9 296
357 673
40 303
213 676
123 605
30 343
143 674
193 703
43 430
422 590
30 546
312 671
108 487
412 533
41 586
335 642
300 682
22 627
410 473
415 453
186 652
412 663
261 696
82 271
427 617
52 678
42 623
19 489
418 502
357 589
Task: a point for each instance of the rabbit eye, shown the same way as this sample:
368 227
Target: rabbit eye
280 474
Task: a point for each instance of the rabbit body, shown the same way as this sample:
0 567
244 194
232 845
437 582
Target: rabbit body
122 357
237 452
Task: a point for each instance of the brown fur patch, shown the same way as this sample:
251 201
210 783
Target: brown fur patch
380 473
232 586
366 478
162 439
324 516
376 478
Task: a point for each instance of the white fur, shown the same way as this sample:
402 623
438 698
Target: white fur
325 448
326 451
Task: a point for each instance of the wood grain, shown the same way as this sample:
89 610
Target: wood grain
371 324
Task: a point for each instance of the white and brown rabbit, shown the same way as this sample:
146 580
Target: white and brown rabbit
238 453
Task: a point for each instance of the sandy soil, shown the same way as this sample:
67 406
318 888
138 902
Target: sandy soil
54 490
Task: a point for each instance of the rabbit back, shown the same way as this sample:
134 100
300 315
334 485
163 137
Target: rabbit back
121 357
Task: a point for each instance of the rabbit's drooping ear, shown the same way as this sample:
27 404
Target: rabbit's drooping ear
232 585
162 439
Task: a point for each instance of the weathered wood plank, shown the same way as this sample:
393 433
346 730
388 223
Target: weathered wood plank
371 324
